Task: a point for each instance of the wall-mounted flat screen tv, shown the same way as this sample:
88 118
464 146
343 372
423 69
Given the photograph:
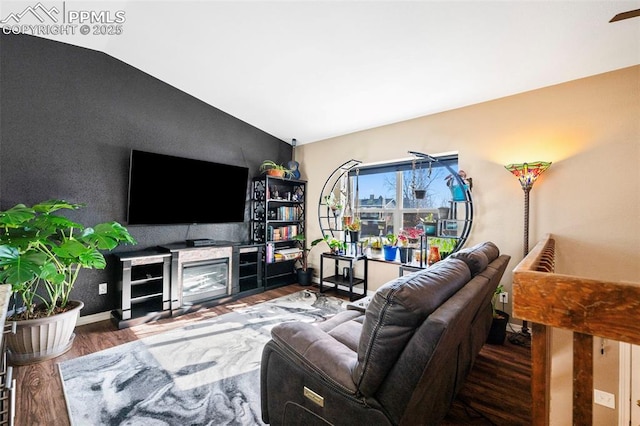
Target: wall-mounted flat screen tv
164 190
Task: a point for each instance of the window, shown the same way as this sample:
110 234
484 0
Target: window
387 196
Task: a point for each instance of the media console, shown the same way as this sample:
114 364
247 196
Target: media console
178 278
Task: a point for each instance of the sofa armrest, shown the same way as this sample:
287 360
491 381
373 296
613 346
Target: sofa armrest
318 351
360 304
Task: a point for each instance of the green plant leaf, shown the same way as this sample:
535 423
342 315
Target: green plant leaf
316 242
18 237
71 250
49 206
50 273
53 223
107 236
93 259
16 215
19 268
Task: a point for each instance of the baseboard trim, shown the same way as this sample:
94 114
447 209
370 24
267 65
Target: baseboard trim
103 316
89 319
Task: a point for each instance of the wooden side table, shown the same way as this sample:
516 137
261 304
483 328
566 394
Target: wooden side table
344 275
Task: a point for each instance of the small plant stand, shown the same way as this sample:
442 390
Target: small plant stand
344 277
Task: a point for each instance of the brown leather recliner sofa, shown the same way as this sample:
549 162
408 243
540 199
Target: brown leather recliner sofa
399 358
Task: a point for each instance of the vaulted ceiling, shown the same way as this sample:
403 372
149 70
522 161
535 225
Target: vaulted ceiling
311 70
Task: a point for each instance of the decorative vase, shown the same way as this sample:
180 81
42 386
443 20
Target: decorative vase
347 216
44 338
354 236
433 256
390 253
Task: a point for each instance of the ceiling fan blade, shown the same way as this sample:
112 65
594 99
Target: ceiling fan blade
626 15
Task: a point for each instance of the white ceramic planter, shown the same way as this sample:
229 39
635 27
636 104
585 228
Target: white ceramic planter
41 339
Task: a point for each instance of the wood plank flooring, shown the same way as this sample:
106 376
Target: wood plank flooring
496 391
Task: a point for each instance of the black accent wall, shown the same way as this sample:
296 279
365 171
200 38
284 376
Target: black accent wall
69 117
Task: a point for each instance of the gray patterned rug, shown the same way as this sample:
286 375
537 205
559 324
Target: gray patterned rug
207 373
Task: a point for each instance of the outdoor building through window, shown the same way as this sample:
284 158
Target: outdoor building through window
388 197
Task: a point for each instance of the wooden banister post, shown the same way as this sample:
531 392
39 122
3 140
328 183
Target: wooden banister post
540 374
582 379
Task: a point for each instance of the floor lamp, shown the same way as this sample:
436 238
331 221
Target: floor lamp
527 174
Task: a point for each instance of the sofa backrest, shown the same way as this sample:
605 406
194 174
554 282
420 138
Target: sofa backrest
435 362
396 310
478 257
422 332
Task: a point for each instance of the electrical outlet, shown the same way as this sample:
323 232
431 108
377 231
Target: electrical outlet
604 398
504 297
102 288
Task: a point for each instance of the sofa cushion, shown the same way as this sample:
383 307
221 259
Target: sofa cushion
478 257
345 327
317 349
395 311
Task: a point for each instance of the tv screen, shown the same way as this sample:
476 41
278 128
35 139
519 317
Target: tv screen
164 189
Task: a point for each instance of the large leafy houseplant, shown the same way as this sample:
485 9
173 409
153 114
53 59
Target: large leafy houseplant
304 260
305 273
41 254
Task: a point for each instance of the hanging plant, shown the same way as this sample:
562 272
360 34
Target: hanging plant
419 193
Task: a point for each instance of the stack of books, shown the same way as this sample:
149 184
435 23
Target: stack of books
287 254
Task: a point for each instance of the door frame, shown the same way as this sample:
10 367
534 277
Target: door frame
629 369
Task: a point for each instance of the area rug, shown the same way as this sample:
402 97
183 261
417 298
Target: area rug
207 373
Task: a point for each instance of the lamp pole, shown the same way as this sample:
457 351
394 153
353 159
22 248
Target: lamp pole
526 190
527 174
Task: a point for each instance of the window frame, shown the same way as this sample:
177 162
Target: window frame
399 211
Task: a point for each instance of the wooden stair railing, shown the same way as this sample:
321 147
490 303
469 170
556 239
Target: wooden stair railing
585 306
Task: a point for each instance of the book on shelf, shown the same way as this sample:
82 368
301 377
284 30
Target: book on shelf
282 232
278 257
288 253
287 213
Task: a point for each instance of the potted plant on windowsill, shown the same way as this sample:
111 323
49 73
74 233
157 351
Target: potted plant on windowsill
305 273
41 256
390 247
429 224
354 230
408 240
274 169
